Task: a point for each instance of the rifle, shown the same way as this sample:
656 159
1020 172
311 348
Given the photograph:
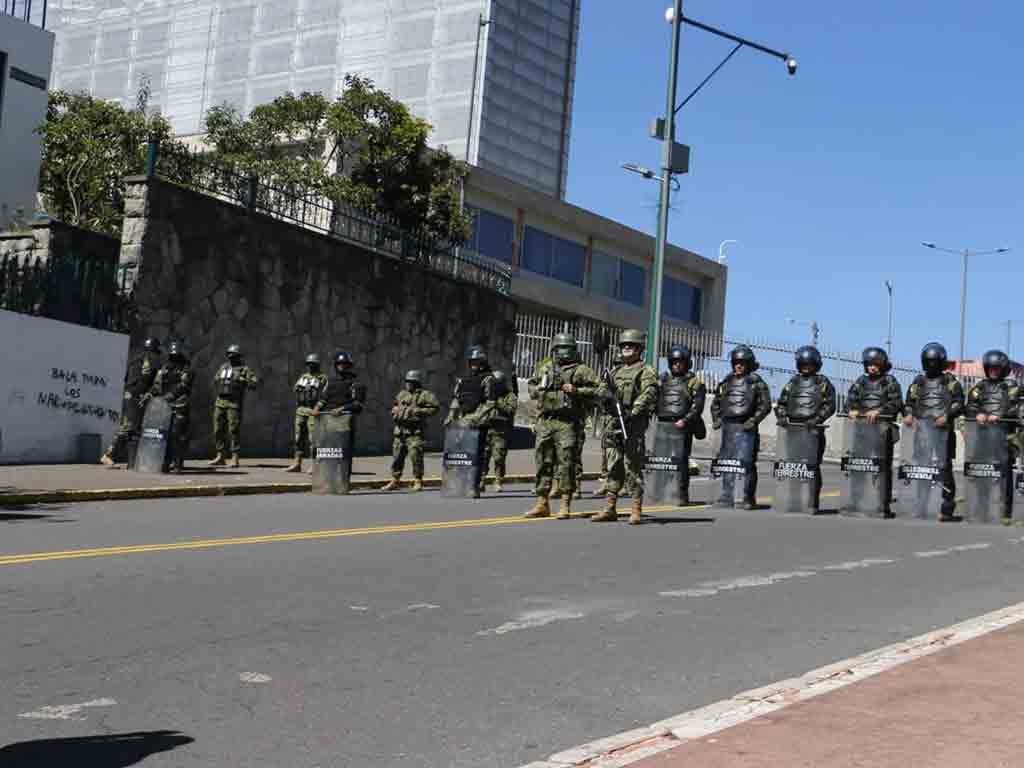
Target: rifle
614 390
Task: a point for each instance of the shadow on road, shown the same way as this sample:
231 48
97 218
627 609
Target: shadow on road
24 517
662 520
114 751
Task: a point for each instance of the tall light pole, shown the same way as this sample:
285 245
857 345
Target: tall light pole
1009 332
966 253
888 339
481 23
675 157
721 249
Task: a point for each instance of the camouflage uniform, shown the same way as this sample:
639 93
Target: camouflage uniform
174 383
409 410
472 405
308 388
138 380
503 413
230 383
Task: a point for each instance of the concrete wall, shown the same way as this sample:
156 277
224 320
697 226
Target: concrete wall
29 53
215 274
57 381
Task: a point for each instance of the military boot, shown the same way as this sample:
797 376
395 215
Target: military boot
107 459
579 490
499 485
608 514
565 510
636 513
540 509
177 467
555 489
295 466
417 484
234 460
218 460
393 483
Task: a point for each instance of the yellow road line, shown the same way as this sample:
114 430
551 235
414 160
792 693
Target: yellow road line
75 554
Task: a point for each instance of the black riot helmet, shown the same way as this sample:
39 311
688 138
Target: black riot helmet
563 346
680 353
744 354
501 384
477 358
934 358
342 361
176 352
876 356
233 353
996 359
808 356
152 344
313 362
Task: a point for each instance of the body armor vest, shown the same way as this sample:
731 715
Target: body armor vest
228 382
738 398
804 401
340 392
135 382
471 393
995 397
171 381
674 398
873 392
308 390
933 398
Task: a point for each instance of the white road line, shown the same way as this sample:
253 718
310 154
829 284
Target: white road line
254 677
532 620
67 711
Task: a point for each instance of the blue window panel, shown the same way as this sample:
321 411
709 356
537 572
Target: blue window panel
634 280
537 248
569 262
604 275
493 235
682 301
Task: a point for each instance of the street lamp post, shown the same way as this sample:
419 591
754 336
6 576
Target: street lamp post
966 253
888 340
674 156
813 325
721 249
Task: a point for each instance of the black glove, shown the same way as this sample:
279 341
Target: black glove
750 425
354 407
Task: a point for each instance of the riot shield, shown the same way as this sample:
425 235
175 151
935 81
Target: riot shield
863 463
332 470
460 475
986 466
667 458
152 455
735 460
796 467
923 455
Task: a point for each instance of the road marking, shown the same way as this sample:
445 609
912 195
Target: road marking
421 607
532 620
626 748
254 677
76 554
67 711
951 550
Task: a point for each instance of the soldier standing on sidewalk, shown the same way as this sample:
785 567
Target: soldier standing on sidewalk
232 380
307 392
564 390
503 413
631 389
138 379
412 406
681 401
473 400
174 382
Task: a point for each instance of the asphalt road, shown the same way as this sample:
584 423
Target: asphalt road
409 630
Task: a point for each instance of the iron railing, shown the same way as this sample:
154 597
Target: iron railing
297 205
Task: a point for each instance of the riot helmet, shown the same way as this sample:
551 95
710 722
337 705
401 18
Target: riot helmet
563 346
996 361
176 352
477 357
313 362
680 354
234 353
743 355
501 383
934 358
876 356
152 344
342 362
808 357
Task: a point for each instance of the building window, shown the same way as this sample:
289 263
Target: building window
493 235
682 301
617 279
554 257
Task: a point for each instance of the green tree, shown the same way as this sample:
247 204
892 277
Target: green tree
364 149
89 147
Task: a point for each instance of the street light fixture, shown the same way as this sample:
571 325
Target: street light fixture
721 249
813 325
673 154
888 341
966 253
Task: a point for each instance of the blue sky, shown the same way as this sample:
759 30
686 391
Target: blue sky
904 123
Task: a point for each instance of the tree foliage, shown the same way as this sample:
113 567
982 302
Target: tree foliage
364 149
89 146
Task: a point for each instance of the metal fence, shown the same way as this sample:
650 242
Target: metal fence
710 353
295 204
82 290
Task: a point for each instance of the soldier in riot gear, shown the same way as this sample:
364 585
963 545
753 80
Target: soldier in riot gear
681 402
232 380
563 390
502 414
344 395
138 379
997 399
411 408
307 393
630 391
877 396
473 399
937 395
808 399
174 383
743 398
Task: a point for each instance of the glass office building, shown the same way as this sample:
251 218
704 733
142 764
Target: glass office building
208 52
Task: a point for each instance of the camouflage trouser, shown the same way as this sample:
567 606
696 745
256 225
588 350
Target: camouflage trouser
626 461
496 451
227 427
130 424
305 431
556 453
408 442
581 438
610 428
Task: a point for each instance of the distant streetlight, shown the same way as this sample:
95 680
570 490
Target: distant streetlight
888 341
966 253
721 249
813 325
